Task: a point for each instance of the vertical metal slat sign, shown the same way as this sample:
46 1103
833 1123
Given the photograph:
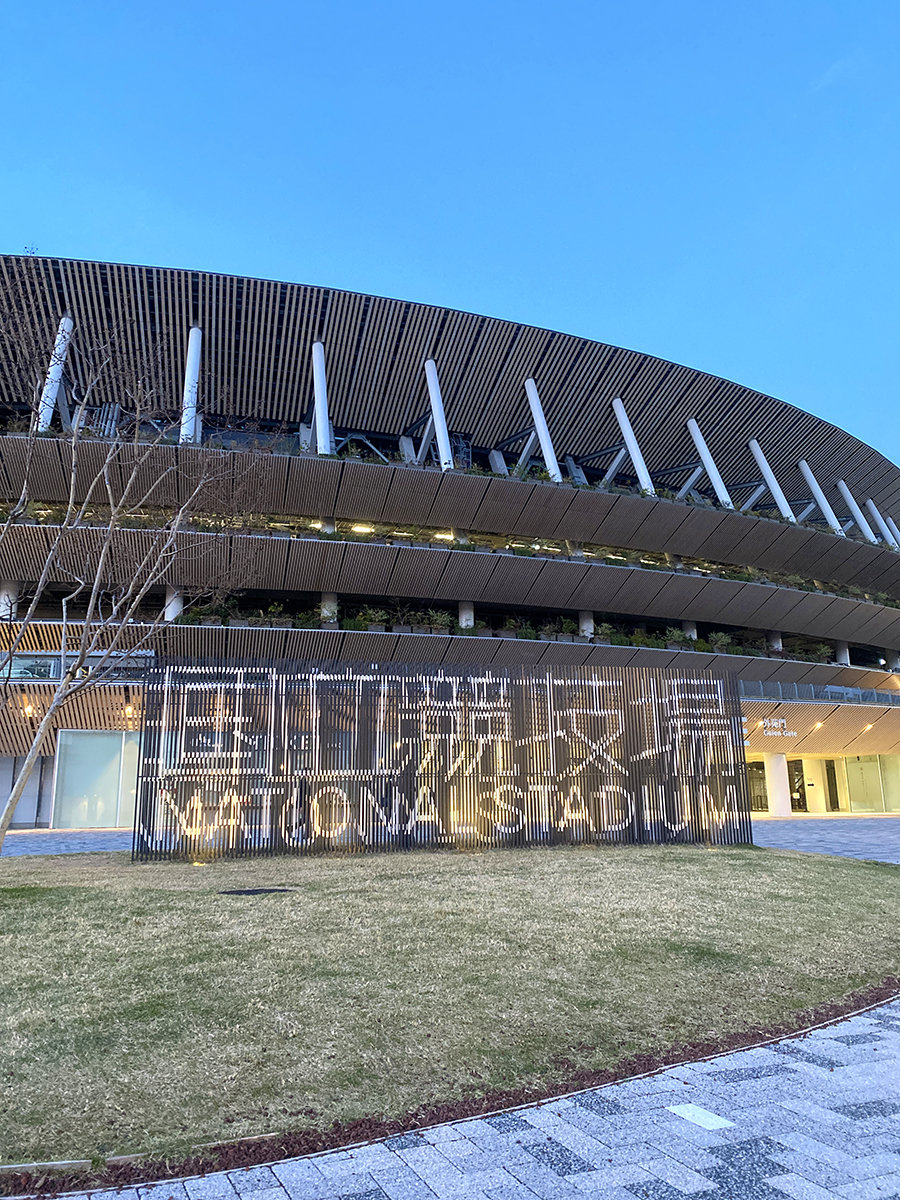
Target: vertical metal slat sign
306 758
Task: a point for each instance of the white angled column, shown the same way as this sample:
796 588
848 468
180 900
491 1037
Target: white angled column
445 454
856 512
174 604
189 424
819 496
47 405
892 525
320 400
633 448
543 433
882 525
778 784
712 470
771 482
9 599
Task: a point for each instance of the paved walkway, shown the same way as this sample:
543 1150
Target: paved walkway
850 837
65 841
811 1118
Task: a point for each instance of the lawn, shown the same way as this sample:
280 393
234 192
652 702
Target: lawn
142 1010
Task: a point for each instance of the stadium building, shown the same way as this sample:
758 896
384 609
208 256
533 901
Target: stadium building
443 496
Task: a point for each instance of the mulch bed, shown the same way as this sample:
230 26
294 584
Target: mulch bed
254 1152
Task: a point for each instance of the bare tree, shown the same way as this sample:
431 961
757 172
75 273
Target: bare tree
117 518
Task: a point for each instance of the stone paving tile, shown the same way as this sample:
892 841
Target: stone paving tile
210 1187
64 841
876 837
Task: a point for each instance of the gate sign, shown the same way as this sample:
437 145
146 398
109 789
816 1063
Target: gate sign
264 760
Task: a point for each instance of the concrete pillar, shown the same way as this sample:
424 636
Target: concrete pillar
690 628
778 785
327 525
189 425
174 604
585 623
47 405
574 549
9 599
674 561
466 614
329 608
892 658
773 642
842 654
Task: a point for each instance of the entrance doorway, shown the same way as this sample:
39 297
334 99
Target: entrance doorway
797 784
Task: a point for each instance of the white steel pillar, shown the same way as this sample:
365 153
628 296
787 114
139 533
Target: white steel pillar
445 454
174 604
633 448
320 400
47 404
9 599
189 424
753 497
689 482
842 654
329 608
824 507
712 470
892 525
856 512
466 614
778 784
882 525
771 482
543 433
585 623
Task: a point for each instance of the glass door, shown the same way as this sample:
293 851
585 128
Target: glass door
797 784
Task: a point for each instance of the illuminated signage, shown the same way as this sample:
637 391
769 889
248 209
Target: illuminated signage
248 759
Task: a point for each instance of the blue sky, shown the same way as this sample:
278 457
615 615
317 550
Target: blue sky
712 181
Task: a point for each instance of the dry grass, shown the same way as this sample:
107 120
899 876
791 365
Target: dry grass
141 1010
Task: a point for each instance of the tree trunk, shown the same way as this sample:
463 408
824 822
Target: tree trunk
18 787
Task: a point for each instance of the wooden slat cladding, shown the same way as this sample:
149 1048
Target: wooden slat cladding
256 363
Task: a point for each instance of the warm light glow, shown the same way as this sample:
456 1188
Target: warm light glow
129 710
444 537
315 524
198 864
400 533
363 528
867 728
29 710
818 725
759 724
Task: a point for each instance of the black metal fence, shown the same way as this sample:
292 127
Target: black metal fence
301 759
